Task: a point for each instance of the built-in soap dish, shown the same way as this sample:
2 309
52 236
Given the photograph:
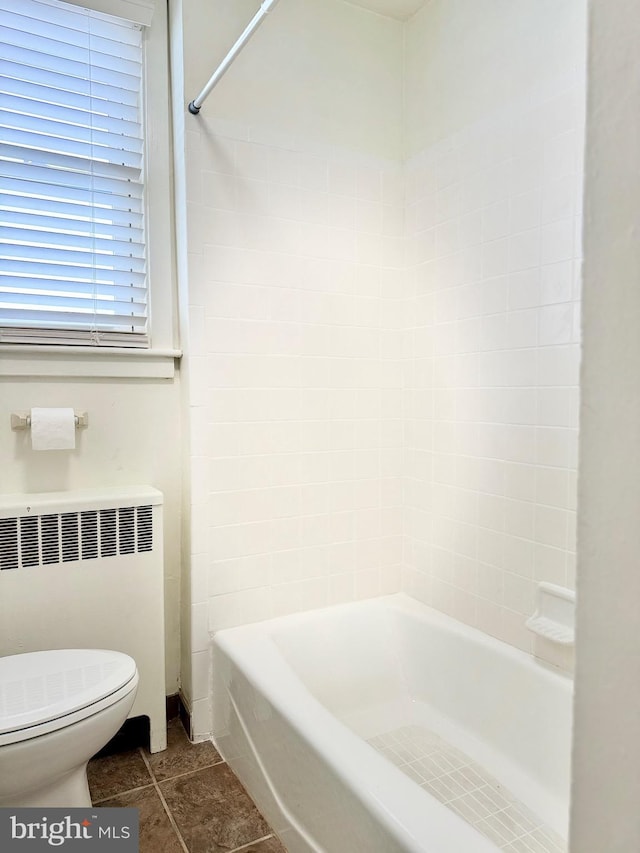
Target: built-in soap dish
554 618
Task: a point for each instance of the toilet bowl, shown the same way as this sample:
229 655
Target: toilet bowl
57 709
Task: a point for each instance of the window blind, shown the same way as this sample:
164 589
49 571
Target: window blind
72 248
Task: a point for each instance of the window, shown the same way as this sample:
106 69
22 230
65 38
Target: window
72 199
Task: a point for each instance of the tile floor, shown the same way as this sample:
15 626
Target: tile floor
468 789
189 800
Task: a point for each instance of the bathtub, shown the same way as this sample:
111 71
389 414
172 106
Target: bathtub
387 726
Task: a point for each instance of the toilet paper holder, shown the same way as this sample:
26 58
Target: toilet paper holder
23 421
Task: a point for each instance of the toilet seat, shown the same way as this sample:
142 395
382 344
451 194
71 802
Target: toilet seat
41 692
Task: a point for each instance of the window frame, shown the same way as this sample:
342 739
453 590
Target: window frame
158 359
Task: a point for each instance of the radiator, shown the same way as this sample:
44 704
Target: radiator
84 569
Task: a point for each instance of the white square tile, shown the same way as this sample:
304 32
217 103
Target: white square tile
200 675
519 593
557 407
525 211
526 172
556 324
519 518
553 446
524 289
559 365
552 487
524 250
495 257
519 556
551 526
495 221
557 241
559 199
319 474
560 154
201 721
199 628
550 564
557 282
251 160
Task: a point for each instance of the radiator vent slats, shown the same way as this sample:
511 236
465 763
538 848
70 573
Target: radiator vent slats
127 531
8 543
46 540
50 537
70 537
30 547
145 528
108 529
89 534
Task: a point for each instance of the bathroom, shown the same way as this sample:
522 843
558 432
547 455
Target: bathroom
372 340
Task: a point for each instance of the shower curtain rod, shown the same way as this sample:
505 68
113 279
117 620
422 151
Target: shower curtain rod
265 7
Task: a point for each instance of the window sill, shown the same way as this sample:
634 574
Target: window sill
69 362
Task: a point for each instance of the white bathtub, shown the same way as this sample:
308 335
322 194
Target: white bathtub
297 698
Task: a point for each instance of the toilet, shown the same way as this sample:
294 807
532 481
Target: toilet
57 709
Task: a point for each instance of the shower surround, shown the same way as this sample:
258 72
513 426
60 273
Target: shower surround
495 135
383 346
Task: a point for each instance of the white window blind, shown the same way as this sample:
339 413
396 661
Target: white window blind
72 248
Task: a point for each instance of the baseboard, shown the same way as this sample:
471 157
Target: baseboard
135 731
184 711
173 706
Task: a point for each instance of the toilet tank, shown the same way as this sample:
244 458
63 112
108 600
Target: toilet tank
84 569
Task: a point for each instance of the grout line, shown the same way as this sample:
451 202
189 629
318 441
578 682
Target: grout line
188 772
165 805
147 764
121 793
251 843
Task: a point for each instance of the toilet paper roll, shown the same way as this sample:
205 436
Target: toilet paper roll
53 429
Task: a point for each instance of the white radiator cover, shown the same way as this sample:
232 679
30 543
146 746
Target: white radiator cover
84 569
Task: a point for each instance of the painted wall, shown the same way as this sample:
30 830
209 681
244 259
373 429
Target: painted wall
465 60
606 788
135 430
317 70
135 421
494 95
133 438
294 212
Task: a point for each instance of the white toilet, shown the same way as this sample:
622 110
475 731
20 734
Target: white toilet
57 709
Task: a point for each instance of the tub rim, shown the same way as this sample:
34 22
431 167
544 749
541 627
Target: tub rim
408 813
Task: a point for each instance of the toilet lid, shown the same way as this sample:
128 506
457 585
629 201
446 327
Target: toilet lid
37 687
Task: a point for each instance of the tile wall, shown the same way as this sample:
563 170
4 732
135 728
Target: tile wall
383 355
492 361
295 387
